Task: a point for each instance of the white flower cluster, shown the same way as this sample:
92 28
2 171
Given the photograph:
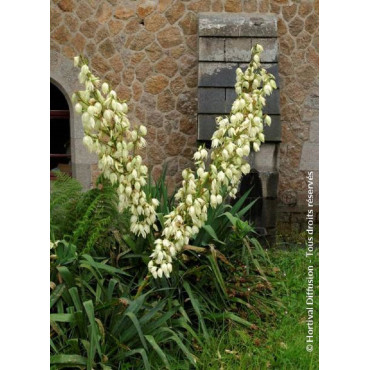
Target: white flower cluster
231 145
108 133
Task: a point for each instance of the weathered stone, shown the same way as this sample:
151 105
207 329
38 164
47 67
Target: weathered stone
72 22
155 119
216 74
172 166
140 113
115 27
90 50
175 12
156 172
124 92
306 74
263 6
187 103
155 154
206 126
124 12
250 6
217 6
100 65
266 158
178 51
310 157
273 132
289 12
303 40
149 101
233 6
128 75
305 8
154 51
154 22
212 48
316 6
191 43
189 24
192 79
163 5
55 18
137 57
169 37
54 47
314 131
269 182
107 49
103 13
151 135
177 85
102 34
315 41
188 152
162 136
211 100
116 63
137 90
66 5
145 8
185 163
290 112
238 49
141 40
133 26
61 35
172 121
188 126
287 45
68 52
156 84
295 92
79 43
166 66
296 26
282 28
312 23
175 145
312 57
228 24
187 64
113 78
89 28
268 214
200 6
84 11
166 101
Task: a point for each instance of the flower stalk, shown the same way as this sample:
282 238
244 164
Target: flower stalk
108 133
208 187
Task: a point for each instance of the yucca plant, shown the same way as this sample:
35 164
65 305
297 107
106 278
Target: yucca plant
107 312
97 323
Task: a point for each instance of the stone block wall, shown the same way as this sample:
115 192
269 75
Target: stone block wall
148 49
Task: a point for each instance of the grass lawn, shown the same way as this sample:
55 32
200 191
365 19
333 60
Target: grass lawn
280 343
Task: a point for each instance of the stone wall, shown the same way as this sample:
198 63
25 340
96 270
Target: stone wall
148 49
